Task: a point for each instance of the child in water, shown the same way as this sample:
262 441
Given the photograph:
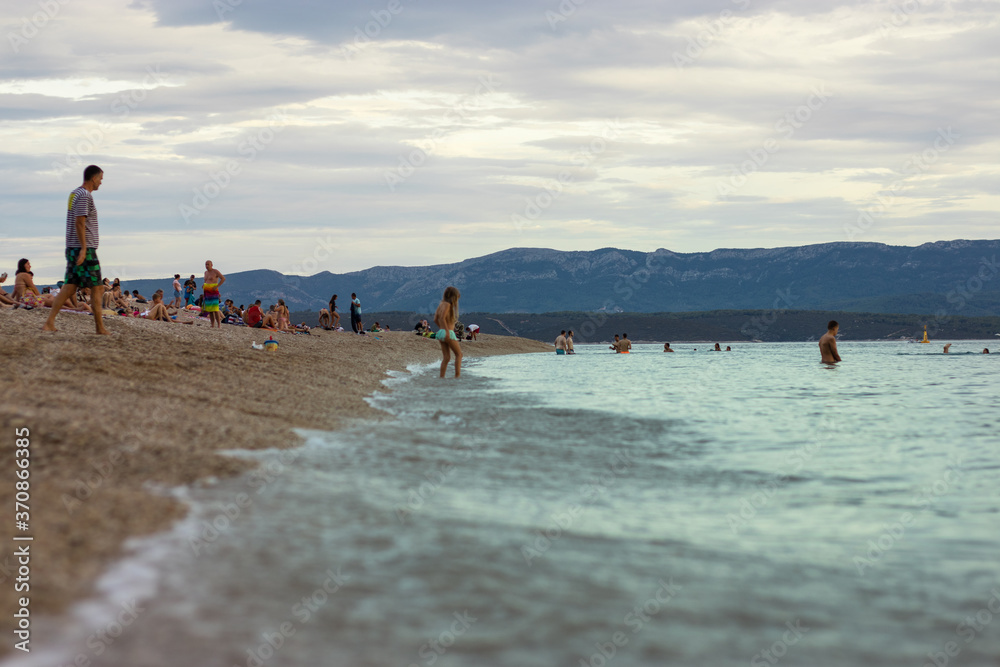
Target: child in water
445 317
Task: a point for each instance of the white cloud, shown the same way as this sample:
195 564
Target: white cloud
420 143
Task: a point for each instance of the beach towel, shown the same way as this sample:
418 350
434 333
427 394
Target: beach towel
211 301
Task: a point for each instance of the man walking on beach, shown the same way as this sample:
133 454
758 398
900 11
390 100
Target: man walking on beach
210 302
828 343
82 266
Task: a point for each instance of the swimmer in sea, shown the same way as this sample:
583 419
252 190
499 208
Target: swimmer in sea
828 343
667 348
445 317
947 348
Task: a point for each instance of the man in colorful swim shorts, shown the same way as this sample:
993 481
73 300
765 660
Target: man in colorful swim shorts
82 238
210 303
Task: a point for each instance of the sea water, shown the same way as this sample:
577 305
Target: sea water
752 507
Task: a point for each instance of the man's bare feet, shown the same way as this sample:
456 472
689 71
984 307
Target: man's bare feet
103 332
48 327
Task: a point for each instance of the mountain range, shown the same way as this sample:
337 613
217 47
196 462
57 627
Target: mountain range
959 277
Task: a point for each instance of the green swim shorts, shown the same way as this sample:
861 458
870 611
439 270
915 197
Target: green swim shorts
87 274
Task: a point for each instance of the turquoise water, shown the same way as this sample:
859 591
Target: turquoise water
697 508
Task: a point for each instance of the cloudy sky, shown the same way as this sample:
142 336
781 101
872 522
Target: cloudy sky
307 135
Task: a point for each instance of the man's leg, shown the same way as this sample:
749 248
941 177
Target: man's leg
66 292
97 301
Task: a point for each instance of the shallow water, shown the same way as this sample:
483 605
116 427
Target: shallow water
696 508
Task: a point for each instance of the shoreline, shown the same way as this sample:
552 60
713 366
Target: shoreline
152 405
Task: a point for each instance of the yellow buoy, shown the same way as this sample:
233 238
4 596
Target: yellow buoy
925 335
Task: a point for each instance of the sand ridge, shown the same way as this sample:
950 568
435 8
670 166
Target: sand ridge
152 404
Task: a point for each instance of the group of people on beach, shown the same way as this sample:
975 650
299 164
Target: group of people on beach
329 318
84 289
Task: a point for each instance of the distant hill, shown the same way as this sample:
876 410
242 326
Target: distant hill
957 277
721 325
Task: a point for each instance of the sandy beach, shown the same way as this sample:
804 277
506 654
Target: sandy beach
113 418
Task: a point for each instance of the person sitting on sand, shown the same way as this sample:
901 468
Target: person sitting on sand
254 316
947 348
614 344
828 343
271 318
284 324
25 292
158 311
5 299
138 297
376 328
445 317
667 348
569 342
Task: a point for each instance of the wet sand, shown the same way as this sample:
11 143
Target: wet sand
113 418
